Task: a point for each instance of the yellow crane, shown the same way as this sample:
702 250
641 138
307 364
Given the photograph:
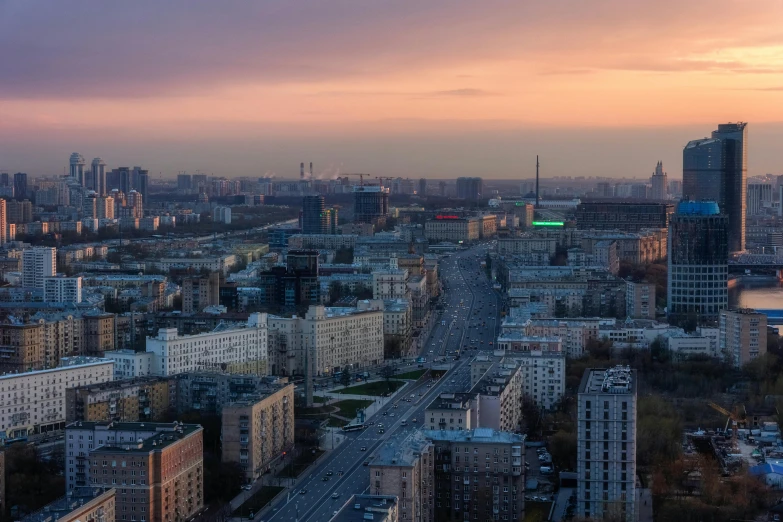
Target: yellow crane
731 418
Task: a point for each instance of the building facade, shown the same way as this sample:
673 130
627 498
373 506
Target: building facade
606 444
128 400
38 263
640 300
743 335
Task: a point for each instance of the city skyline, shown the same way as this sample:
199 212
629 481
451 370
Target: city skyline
383 89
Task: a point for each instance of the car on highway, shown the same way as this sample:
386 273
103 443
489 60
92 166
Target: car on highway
247 487
363 448
381 431
335 495
329 473
303 492
325 479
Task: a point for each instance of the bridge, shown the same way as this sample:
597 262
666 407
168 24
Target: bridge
767 262
774 317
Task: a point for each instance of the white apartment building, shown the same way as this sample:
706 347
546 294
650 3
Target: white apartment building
38 263
213 264
329 338
390 284
34 402
129 364
231 348
454 229
526 245
606 444
543 375
63 289
574 333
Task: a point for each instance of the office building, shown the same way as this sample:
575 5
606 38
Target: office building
470 188
143 184
257 430
640 300
60 289
370 204
38 263
698 263
659 184
128 400
759 198
38 397
743 335
159 476
200 292
314 219
715 169
452 228
97 181
478 474
627 216
77 165
330 339
79 505
293 286
3 223
422 187
235 348
360 508
606 444
20 186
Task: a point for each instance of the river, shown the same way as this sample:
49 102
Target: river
758 293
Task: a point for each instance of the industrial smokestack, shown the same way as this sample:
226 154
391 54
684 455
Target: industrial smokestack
311 170
301 170
538 199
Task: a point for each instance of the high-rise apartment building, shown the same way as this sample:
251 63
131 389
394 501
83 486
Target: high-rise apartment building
184 182
606 444
38 263
20 186
257 430
200 292
659 182
19 211
640 300
128 400
470 188
698 263
158 477
743 335
715 169
77 165
370 203
97 180
63 289
759 197
3 223
422 187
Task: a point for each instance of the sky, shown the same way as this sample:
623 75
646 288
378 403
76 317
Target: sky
435 89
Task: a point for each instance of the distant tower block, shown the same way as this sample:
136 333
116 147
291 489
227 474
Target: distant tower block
311 169
301 170
538 197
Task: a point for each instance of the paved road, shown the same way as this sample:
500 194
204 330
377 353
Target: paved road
467 291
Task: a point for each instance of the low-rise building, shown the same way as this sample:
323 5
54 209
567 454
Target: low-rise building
499 391
390 284
360 508
452 411
92 504
209 392
256 431
454 229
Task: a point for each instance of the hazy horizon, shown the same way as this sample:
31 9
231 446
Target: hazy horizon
439 89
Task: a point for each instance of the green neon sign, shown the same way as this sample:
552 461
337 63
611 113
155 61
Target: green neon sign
548 223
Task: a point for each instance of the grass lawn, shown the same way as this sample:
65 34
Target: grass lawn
414 375
348 407
313 411
255 503
537 511
372 388
301 463
334 422
318 399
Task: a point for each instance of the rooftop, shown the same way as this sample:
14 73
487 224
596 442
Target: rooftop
61 507
401 450
617 380
479 435
359 506
160 440
451 401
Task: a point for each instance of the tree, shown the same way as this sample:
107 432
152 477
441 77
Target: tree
562 447
392 348
345 378
387 372
344 255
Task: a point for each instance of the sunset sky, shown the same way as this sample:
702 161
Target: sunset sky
435 88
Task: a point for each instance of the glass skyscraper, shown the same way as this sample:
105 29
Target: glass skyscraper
716 169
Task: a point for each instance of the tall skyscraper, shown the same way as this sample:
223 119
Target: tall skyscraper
142 184
606 445
698 263
3 223
20 186
123 180
38 263
422 187
97 181
659 183
470 188
77 164
716 169
314 219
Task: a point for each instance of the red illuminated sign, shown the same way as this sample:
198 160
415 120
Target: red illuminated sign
440 216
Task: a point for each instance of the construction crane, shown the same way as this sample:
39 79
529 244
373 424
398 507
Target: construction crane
381 178
361 178
731 418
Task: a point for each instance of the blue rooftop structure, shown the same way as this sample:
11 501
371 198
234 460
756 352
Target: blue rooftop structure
698 208
766 469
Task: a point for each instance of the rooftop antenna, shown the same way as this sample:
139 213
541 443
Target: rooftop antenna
538 199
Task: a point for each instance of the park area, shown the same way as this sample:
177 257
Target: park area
411 376
377 388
